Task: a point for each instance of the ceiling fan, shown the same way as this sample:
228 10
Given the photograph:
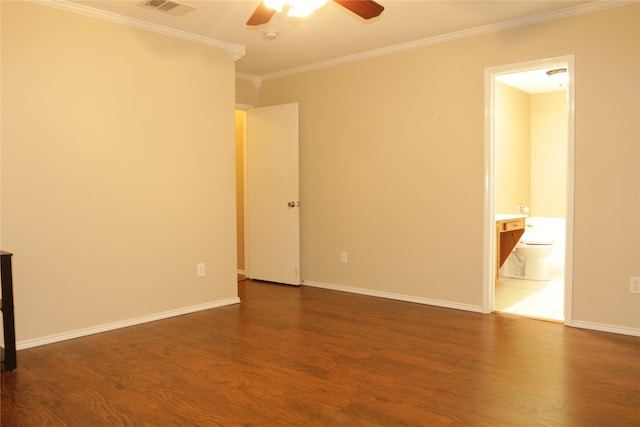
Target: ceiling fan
366 9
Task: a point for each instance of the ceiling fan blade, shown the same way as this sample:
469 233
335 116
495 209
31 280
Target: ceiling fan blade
366 9
261 15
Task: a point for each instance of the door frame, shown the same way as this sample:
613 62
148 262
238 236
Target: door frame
489 177
245 108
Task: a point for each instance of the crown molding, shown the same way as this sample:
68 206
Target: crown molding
256 80
595 6
236 51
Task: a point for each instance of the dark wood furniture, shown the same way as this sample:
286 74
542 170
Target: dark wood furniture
8 321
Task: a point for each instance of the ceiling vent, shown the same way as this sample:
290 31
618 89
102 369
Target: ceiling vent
166 6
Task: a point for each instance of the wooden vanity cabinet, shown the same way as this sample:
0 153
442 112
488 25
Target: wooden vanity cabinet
508 233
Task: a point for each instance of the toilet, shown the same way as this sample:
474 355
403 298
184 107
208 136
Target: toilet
535 252
539 254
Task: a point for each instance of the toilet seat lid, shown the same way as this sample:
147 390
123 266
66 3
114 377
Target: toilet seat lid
538 243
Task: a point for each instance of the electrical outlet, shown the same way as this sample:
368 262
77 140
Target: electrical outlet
200 270
344 257
635 285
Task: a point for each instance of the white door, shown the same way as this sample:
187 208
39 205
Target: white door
272 207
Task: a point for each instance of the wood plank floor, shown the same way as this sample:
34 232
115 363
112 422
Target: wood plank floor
304 356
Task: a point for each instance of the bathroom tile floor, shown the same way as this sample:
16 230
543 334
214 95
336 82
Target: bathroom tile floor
532 298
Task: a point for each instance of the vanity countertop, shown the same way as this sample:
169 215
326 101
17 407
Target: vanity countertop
508 217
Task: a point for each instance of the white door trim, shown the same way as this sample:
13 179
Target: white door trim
245 243
489 243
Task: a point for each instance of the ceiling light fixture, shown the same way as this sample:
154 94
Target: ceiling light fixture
556 71
559 75
296 8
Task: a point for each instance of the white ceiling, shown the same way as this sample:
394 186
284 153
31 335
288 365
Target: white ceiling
535 81
333 33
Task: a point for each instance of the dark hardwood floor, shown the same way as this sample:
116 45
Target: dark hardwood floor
303 356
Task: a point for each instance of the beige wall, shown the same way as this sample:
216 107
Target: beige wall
392 164
512 149
246 92
117 171
549 154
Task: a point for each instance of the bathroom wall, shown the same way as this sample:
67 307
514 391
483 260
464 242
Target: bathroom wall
512 148
549 154
530 151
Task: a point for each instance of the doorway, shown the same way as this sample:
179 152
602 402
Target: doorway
529 179
240 133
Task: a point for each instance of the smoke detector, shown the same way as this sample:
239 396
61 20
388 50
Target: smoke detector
168 6
270 34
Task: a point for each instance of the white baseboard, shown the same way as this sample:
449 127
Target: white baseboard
605 328
467 307
393 296
123 324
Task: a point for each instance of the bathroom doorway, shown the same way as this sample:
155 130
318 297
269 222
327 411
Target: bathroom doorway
529 148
